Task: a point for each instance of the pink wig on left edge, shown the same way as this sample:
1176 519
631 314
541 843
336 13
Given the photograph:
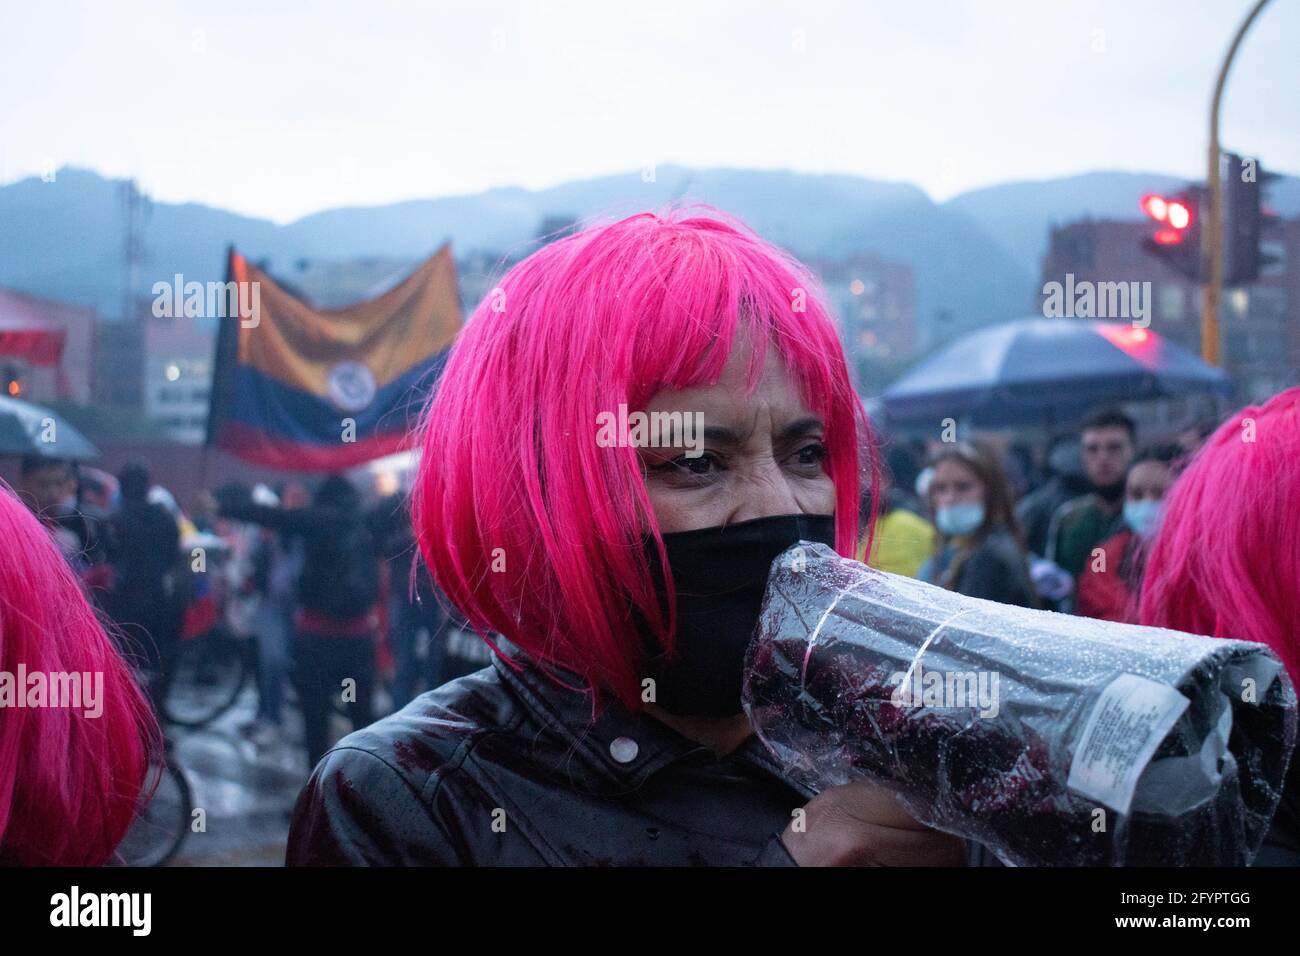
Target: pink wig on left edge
1226 560
69 782
534 531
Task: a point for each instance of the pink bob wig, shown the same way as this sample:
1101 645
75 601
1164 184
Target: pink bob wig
1226 560
533 530
69 782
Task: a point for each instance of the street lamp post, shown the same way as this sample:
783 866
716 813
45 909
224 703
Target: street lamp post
1214 212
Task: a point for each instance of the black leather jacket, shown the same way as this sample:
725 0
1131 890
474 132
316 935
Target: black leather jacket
506 768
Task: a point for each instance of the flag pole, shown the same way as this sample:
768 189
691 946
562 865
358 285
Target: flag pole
223 347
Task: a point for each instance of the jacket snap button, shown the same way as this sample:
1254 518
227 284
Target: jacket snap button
623 749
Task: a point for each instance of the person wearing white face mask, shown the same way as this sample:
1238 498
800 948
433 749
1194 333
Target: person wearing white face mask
979 552
1112 577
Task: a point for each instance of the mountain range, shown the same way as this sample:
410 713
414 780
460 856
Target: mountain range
975 257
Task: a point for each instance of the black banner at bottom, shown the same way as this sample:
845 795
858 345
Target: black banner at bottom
240 905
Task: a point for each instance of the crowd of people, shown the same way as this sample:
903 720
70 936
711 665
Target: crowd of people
1070 535
323 584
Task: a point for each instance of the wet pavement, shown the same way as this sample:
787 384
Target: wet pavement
245 785
245 782
246 788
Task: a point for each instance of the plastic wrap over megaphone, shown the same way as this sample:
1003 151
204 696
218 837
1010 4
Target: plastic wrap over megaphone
1051 740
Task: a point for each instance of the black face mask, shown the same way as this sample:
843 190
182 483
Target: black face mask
720 575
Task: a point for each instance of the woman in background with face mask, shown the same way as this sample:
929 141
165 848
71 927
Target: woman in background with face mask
628 432
979 552
1111 580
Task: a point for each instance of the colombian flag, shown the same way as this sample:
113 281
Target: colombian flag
307 389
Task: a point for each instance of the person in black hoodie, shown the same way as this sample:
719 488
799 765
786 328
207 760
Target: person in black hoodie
335 619
414 604
144 598
1067 481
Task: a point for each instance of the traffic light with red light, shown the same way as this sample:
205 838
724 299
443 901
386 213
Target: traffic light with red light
1178 239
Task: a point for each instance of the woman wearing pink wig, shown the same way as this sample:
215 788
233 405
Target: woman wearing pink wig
72 765
1226 560
609 729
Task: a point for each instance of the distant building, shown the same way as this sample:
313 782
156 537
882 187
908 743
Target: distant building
1259 323
874 300
177 375
119 365
157 368
46 348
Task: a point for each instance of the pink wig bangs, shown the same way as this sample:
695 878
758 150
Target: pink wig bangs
530 527
1226 560
69 782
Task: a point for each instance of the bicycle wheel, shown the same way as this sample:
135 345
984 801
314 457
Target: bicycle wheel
159 830
208 674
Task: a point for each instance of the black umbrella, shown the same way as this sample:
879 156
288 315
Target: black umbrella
27 429
1032 371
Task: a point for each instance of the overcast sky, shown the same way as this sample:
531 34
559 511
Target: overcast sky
322 104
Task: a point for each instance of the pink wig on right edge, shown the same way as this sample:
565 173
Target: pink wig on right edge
69 781
1226 560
